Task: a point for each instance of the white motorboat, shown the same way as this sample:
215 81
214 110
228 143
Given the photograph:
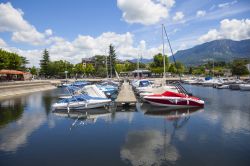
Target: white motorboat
223 87
244 86
81 102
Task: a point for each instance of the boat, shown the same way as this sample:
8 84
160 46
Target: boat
244 87
223 87
80 102
108 89
174 100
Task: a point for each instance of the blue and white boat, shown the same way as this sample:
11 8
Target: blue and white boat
108 89
81 102
80 83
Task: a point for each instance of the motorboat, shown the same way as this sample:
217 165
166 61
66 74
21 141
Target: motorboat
244 87
223 87
80 83
108 89
174 100
81 102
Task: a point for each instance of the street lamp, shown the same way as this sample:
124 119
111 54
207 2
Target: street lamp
66 72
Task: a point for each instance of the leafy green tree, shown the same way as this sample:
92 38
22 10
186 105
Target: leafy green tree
239 68
179 67
129 66
58 68
79 69
157 66
120 68
44 64
172 68
89 69
12 61
33 70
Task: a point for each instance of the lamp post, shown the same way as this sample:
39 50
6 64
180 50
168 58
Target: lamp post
66 72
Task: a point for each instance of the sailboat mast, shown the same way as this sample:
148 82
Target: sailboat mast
171 51
138 66
163 54
110 59
106 58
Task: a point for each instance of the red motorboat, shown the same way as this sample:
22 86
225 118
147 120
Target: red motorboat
174 100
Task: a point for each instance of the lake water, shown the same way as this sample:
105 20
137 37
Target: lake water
219 134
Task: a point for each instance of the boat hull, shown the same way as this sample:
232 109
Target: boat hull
174 102
81 105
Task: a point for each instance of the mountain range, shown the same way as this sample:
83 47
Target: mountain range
217 50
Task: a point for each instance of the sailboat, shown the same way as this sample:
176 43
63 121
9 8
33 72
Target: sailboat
173 99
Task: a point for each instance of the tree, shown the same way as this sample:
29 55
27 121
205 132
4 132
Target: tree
12 61
172 68
179 67
78 69
157 66
44 63
89 69
239 68
111 60
33 70
129 66
24 62
120 68
190 71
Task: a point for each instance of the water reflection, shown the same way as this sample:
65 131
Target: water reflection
13 136
148 147
10 111
84 117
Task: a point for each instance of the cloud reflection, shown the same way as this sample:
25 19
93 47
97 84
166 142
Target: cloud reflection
148 147
15 135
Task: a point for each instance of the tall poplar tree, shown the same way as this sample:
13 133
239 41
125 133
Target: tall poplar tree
111 61
44 63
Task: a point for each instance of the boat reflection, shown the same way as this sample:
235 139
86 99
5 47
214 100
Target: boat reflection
84 117
168 113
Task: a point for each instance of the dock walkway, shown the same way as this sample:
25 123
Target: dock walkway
126 95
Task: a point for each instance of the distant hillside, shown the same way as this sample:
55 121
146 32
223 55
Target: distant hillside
219 50
145 61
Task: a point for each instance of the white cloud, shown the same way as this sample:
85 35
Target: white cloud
11 20
48 32
148 147
227 4
200 13
2 43
178 16
145 12
230 29
88 46
167 3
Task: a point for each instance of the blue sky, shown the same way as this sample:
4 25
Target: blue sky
71 30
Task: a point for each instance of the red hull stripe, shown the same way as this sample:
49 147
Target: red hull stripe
172 102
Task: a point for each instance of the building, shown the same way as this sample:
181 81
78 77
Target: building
7 75
142 73
86 61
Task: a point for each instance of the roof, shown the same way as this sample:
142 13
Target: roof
12 72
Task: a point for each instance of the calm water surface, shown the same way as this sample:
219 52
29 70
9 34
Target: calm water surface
219 134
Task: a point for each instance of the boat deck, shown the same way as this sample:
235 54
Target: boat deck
126 95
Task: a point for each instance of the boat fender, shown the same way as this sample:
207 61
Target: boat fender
176 101
187 102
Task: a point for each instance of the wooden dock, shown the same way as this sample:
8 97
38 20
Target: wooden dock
126 95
